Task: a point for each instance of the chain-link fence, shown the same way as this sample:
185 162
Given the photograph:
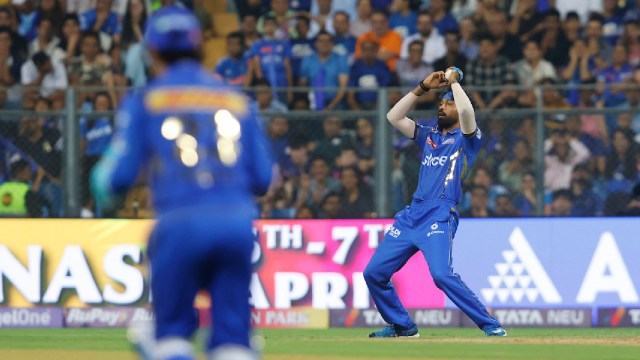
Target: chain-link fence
541 156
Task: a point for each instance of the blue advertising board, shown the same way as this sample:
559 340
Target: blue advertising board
550 262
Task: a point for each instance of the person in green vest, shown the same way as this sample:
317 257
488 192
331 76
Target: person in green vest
19 197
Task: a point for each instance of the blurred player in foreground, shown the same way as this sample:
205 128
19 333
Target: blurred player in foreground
206 157
430 222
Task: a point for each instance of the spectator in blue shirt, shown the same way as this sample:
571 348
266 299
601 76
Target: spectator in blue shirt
367 73
102 20
96 132
325 69
585 201
301 45
619 71
344 41
271 60
402 19
232 69
613 21
27 19
442 18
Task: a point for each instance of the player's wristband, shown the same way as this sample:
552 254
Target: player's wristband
424 87
456 69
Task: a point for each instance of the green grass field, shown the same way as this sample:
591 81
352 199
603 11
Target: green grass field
342 344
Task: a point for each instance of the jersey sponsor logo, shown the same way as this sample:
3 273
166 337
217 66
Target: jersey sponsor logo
449 141
194 99
431 160
521 276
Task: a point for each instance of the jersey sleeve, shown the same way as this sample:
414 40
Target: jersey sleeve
420 135
472 142
119 166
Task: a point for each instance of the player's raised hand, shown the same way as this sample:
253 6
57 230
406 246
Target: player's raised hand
453 75
435 80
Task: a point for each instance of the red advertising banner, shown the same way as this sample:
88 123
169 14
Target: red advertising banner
319 264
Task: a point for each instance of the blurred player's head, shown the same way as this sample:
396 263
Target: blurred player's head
173 34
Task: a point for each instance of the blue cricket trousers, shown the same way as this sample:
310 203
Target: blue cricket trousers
430 228
203 247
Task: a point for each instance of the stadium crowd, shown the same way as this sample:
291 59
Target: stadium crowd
326 169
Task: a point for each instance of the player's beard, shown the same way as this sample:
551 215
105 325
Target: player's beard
445 122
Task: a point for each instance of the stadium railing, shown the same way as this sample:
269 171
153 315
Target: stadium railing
391 187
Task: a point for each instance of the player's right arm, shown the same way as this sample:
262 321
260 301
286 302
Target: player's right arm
397 116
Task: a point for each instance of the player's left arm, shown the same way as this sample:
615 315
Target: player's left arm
466 114
118 168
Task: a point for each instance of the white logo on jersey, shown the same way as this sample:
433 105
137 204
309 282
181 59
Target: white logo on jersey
448 141
520 275
431 160
434 226
394 232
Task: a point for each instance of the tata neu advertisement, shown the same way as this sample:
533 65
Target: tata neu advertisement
530 272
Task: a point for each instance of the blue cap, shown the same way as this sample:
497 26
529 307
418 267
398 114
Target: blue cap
173 28
448 96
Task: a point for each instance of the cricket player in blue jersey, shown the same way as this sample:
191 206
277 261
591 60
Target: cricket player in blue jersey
206 157
429 224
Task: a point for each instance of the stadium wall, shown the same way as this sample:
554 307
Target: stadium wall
530 272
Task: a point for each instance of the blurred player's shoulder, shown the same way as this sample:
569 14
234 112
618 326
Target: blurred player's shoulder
193 91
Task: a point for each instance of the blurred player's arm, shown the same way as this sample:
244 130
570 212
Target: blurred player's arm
397 116
256 155
466 113
119 166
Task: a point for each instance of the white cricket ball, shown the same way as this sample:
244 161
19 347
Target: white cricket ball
447 73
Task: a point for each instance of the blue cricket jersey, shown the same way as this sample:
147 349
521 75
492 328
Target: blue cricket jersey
232 71
446 161
272 54
199 139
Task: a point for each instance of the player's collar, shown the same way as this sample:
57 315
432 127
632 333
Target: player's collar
451 132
